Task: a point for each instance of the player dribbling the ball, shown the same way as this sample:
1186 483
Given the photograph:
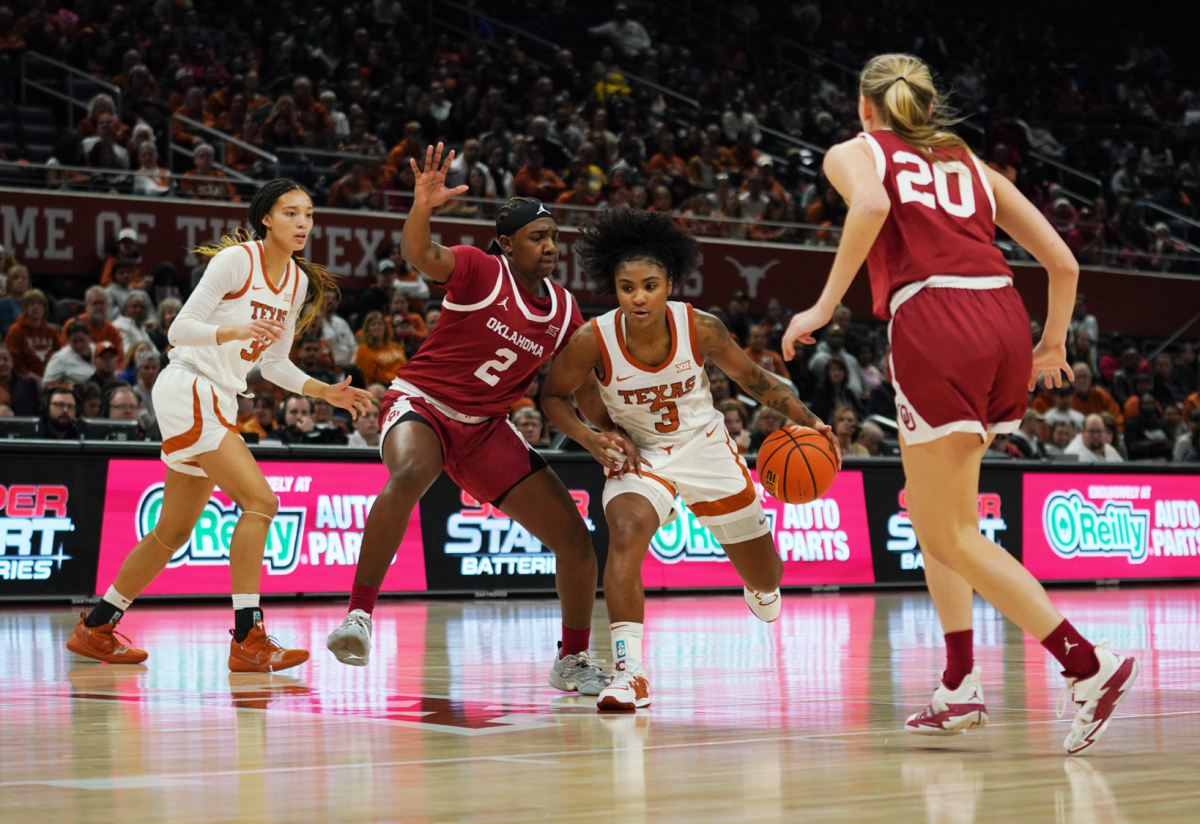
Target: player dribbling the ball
648 356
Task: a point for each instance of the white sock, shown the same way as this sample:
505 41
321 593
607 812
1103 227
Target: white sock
117 599
627 646
245 601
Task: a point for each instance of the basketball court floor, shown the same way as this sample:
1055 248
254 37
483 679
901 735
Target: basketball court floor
796 721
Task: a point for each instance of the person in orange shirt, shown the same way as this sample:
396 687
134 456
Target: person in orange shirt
313 116
191 187
192 108
379 357
1191 402
577 195
129 252
95 315
219 101
242 160
30 339
1143 382
666 161
535 180
1090 399
776 211
745 156
354 190
263 419
758 352
399 306
412 146
255 99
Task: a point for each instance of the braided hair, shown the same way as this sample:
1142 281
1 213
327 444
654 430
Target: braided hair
321 281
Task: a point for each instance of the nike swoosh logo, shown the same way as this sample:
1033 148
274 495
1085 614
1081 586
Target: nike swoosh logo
627 377
762 520
257 288
709 432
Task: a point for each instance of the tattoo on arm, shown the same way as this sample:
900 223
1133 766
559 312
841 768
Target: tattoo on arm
437 252
783 400
760 385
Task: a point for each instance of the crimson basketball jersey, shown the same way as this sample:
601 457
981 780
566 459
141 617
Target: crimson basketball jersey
491 338
942 220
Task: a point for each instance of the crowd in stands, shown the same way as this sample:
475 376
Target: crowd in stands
66 361
571 126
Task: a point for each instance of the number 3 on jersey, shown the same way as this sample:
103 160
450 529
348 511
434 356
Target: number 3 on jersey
503 360
908 180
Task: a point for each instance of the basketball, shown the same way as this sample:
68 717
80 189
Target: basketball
796 465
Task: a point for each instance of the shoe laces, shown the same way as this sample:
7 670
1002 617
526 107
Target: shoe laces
363 621
113 635
584 660
1067 695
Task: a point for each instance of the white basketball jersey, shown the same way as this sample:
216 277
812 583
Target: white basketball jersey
657 405
248 295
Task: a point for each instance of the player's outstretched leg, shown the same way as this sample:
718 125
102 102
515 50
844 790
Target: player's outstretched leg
942 483
758 563
234 470
957 703
632 522
542 505
95 636
412 454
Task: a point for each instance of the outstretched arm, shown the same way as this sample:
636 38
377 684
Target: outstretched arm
429 192
851 169
572 372
716 344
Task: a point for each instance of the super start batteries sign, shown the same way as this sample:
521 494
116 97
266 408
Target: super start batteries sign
1112 526
49 514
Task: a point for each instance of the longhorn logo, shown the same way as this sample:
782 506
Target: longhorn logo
751 274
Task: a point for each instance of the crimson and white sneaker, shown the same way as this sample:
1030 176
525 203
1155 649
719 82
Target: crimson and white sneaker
1097 698
626 692
952 712
764 605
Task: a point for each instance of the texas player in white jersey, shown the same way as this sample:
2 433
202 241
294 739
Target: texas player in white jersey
648 357
243 313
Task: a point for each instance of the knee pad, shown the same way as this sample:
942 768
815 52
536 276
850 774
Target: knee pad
742 529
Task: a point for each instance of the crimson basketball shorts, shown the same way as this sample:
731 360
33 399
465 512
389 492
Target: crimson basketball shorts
486 459
961 357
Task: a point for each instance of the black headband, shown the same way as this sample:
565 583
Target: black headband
520 214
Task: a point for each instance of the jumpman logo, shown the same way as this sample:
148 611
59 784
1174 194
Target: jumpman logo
542 210
1069 646
504 303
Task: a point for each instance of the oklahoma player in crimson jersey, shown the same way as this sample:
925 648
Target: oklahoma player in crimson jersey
448 409
923 212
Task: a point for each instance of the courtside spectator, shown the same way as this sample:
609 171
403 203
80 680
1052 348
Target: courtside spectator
58 420
119 290
106 362
168 310
1091 399
1146 435
1186 440
846 428
366 427
32 339
528 422
834 345
132 323
336 331
1168 387
123 406
737 423
262 421
766 420
95 315
72 364
834 390
379 357
758 352
21 393
1091 445
17 284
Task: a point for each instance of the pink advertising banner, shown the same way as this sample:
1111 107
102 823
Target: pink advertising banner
1089 527
825 542
313 544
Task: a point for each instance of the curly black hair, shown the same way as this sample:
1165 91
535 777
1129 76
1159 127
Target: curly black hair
619 236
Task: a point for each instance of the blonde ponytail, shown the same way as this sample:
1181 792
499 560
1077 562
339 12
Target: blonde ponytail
901 87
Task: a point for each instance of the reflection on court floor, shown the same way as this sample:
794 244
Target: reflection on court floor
453 720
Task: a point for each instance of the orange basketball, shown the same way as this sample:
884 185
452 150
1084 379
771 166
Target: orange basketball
796 465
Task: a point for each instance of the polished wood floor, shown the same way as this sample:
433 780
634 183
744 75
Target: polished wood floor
797 721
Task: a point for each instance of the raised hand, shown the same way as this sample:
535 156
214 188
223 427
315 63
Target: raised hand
800 328
430 190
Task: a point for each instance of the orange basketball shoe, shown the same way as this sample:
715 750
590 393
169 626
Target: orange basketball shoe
262 653
101 644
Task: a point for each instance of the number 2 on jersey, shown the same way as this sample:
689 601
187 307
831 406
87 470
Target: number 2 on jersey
908 180
503 360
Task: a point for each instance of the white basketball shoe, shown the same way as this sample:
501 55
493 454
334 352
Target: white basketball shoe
626 692
577 673
952 712
1097 698
351 642
764 605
